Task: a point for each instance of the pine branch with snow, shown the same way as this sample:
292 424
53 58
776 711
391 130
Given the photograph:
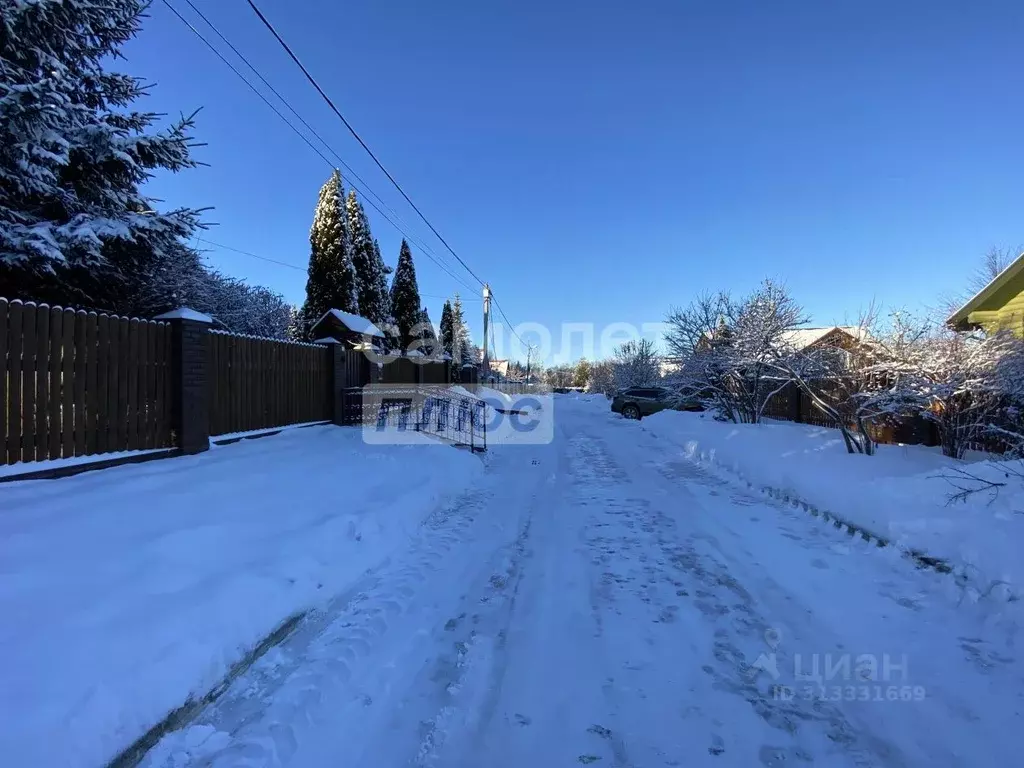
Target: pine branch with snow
73 153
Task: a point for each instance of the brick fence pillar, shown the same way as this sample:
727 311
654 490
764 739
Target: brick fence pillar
189 363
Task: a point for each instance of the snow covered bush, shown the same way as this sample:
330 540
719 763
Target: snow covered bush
636 364
602 377
969 385
73 151
729 351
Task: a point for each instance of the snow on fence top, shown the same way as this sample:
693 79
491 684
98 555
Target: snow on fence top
355 323
185 313
267 338
77 312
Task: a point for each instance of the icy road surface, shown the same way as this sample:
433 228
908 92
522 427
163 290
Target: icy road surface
600 601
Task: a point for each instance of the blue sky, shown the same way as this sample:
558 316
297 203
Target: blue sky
598 162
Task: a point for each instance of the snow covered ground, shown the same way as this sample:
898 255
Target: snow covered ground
602 599
125 591
901 493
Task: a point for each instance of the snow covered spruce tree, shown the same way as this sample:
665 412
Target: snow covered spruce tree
371 274
405 297
463 352
332 279
446 330
73 151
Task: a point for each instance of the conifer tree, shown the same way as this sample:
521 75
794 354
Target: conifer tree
371 274
447 330
462 347
332 281
405 297
73 150
427 335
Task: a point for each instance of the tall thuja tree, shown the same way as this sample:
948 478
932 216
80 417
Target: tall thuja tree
371 274
462 347
332 278
73 151
446 330
405 297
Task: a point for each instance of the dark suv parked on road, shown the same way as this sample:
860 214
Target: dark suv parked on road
637 402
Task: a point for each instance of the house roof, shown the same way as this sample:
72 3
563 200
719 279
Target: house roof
499 367
355 323
802 338
986 293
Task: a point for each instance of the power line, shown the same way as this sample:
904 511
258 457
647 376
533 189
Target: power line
358 138
294 266
505 318
352 174
302 136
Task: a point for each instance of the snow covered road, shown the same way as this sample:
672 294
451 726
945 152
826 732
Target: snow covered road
600 600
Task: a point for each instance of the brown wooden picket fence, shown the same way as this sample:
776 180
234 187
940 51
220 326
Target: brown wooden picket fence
257 383
76 383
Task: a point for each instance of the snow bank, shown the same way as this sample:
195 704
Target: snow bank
898 494
125 591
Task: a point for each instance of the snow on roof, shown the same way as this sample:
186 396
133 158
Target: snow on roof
184 313
414 353
985 293
355 323
802 338
327 340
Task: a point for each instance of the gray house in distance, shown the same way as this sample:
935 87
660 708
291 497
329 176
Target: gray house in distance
351 330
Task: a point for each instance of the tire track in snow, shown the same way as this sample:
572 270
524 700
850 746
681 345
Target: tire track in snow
254 722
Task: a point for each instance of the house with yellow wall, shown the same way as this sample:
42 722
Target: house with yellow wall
998 306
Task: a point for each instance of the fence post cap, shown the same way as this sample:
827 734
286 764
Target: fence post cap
185 313
327 340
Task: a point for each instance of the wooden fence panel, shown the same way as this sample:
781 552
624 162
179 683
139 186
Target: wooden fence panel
42 381
15 344
265 383
163 372
80 379
28 386
4 314
67 376
54 375
145 396
91 382
101 424
113 380
132 420
123 382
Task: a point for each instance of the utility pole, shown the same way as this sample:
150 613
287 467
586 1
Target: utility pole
487 322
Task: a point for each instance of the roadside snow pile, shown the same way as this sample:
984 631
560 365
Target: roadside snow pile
902 493
125 591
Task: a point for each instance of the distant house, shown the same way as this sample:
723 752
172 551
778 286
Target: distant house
668 365
832 336
996 307
347 328
499 368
